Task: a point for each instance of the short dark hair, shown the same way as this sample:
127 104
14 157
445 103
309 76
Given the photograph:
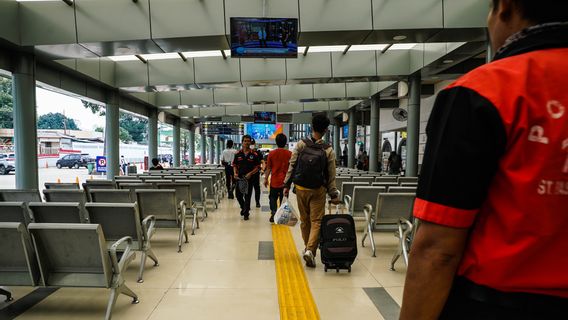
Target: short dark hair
229 143
320 123
245 137
541 11
281 140
155 161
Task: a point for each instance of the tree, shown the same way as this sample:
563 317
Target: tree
56 121
136 127
6 104
124 136
99 129
95 108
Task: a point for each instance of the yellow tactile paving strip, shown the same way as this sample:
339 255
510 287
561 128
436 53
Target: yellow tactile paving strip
294 295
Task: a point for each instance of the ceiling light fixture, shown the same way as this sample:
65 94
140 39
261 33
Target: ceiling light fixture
399 37
448 61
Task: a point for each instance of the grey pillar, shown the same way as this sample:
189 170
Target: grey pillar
176 142
413 126
152 134
25 132
336 146
351 141
191 137
211 149
203 148
374 135
219 149
112 140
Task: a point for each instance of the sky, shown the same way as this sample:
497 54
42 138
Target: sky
49 101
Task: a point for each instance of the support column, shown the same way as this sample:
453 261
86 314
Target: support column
25 132
413 126
336 146
219 149
374 135
176 142
203 148
211 149
191 137
112 140
351 141
152 134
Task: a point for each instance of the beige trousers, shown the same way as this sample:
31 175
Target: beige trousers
311 204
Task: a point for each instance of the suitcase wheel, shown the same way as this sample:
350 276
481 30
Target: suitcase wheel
349 269
337 270
325 268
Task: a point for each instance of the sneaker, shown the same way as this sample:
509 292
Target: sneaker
242 212
309 258
246 217
271 218
258 205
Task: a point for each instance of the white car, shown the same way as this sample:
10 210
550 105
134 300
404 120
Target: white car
7 163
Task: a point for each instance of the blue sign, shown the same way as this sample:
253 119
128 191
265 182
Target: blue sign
101 163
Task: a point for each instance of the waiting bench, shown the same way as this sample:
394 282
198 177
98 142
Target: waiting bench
63 255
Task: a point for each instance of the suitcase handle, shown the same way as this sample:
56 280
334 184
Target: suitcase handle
338 208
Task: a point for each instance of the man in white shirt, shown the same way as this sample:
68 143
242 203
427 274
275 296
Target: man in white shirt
227 161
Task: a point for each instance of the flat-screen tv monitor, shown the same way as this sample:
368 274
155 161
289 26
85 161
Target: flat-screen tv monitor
260 132
264 37
264 117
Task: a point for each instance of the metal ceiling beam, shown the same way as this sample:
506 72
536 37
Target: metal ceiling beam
347 49
182 56
141 58
69 2
306 51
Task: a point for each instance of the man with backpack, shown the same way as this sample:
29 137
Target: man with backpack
312 170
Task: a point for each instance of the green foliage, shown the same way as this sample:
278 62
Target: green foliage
99 129
56 121
124 136
95 108
137 128
6 104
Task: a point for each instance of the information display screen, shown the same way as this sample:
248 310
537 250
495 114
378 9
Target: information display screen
264 37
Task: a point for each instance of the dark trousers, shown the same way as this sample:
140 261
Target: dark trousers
255 180
230 177
469 301
275 195
244 199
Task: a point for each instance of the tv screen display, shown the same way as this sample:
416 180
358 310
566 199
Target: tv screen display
264 37
345 132
264 117
263 131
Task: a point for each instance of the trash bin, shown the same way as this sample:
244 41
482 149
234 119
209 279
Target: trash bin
91 167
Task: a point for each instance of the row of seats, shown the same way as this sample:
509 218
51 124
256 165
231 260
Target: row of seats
104 223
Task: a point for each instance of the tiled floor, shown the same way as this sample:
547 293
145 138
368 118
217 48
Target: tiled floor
219 276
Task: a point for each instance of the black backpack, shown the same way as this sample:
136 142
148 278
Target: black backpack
311 166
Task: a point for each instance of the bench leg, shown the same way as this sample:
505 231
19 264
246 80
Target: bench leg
126 290
142 265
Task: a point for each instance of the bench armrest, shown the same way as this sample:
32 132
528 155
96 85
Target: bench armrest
149 226
127 256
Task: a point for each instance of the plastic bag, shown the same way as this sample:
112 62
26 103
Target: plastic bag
286 215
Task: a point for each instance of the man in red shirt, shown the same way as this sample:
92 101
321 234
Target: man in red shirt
277 167
493 190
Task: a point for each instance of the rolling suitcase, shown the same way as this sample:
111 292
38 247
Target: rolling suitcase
338 241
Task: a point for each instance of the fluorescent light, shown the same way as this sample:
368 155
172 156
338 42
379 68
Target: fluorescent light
123 58
183 106
368 47
323 49
399 37
203 54
402 46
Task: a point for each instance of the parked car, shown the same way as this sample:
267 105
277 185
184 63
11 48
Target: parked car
7 163
74 161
